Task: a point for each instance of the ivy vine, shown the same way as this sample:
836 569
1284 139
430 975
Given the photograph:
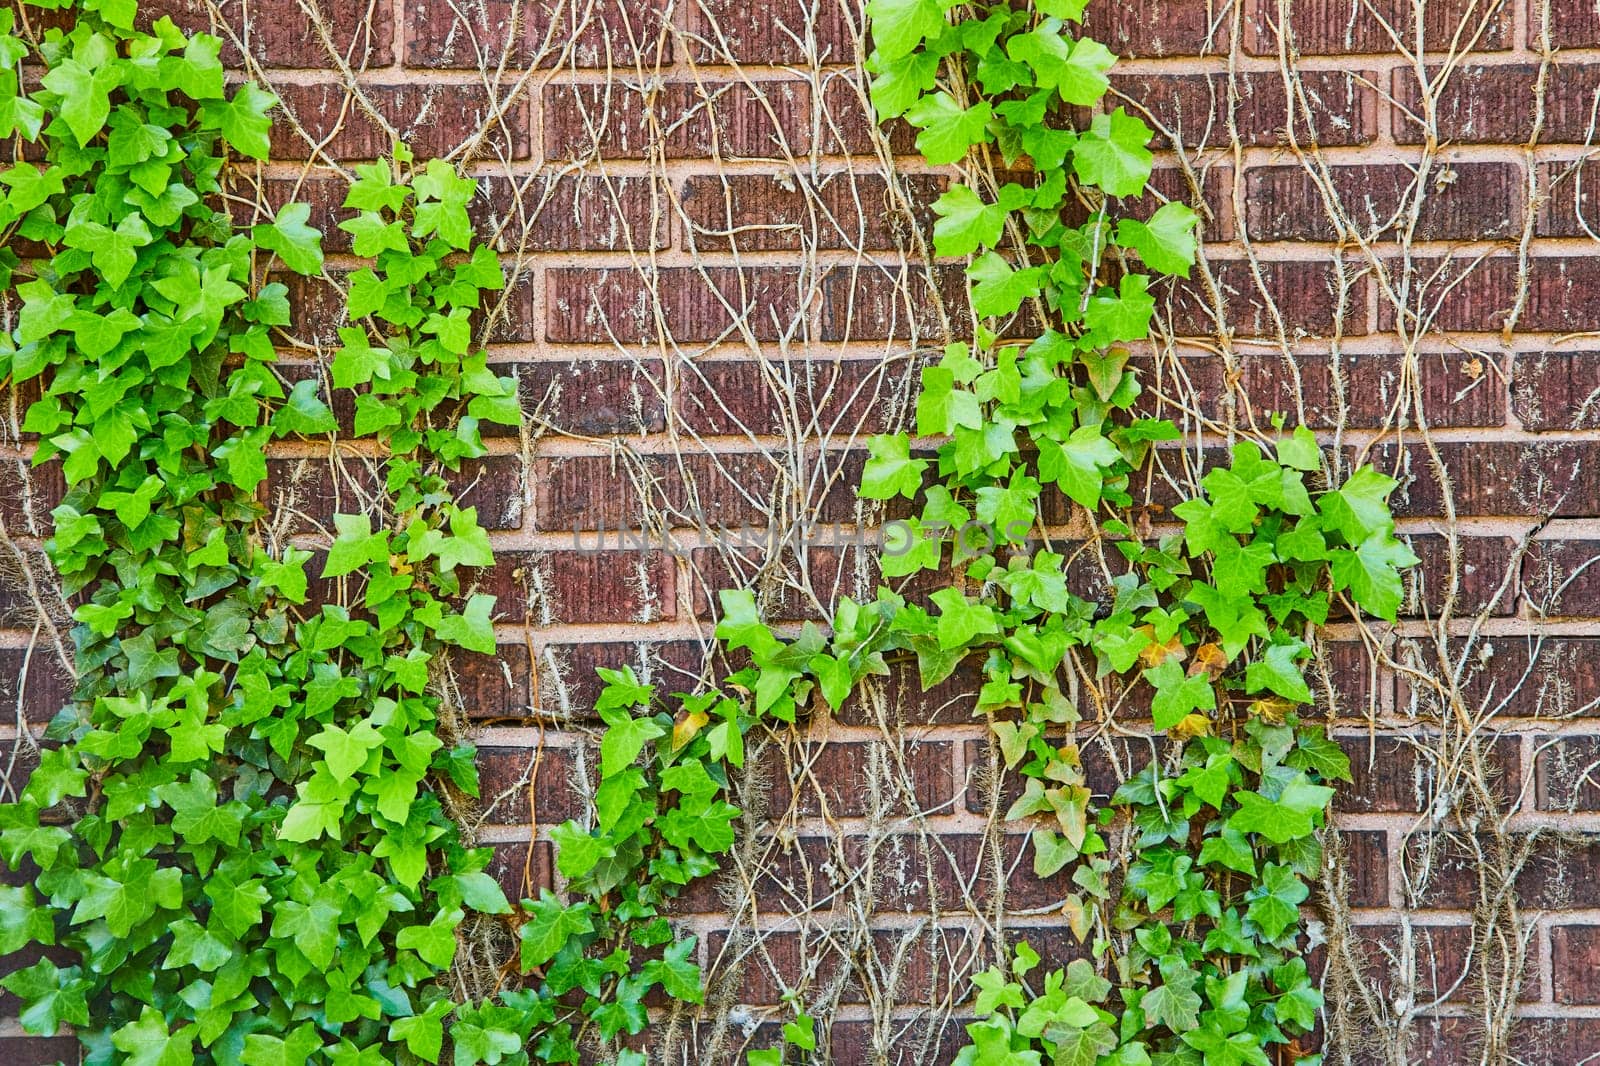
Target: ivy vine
245 838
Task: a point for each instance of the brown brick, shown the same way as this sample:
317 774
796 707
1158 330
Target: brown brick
769 120
576 587
1148 28
38 1050
742 398
904 702
516 791
1573 24
789 211
280 33
1402 773
1575 959
1568 209
433 119
1194 107
592 397
1476 585
494 686
851 779
889 303
1568 773
569 686
780 33
1473 295
1552 391
1304 294
317 491
1434 962
1560 578
1536 479
1467 201
1496 104
849 125
35 680
549 33
27 496
1378 27
1559 874
690 304
523 869
570 213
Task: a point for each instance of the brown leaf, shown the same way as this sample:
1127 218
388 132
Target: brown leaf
1210 659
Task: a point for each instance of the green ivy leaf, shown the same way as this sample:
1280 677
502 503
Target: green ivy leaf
900 26
1112 155
297 244
1167 242
948 129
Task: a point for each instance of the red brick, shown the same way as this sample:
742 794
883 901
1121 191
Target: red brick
28 494
1477 582
1552 391
1378 27
778 33
852 779
1434 962
1148 28
1194 107
693 491
569 686
1575 959
790 211
324 195
686 304
1401 773
1515 677
1560 578
1479 296
870 302
1468 201
1496 104
1573 24
1568 773
592 397
316 490
280 33
1569 206
548 588
549 33
1304 294
905 703
513 790
38 1050
523 869
34 680
433 119
741 398
766 120
1536 479
831 571
850 126
1559 873
493 686
570 213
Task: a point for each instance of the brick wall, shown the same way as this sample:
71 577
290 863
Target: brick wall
718 287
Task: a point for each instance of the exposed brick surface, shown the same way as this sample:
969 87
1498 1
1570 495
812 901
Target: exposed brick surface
281 33
687 303
1468 201
1358 27
1197 107
343 127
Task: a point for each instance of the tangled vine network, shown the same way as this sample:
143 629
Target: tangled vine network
254 834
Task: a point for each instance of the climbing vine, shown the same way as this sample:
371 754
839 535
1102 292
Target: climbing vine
246 836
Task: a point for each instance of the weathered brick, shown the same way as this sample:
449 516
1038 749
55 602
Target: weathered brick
1467 201
569 686
609 33
1497 104
698 304
27 496
1305 295
1535 479
1470 294
1575 959
851 779
850 126
571 212
1568 773
1572 24
1474 588
433 119
281 33
1560 577
1429 961
742 398
1568 208
576 587
38 1050
764 119
1548 677
870 302
1402 773
1552 391
1149 28
1195 107
523 786
831 571
592 397
35 680
779 33
791 211
523 869
1559 874
729 492
1378 27
494 686
315 490
901 700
